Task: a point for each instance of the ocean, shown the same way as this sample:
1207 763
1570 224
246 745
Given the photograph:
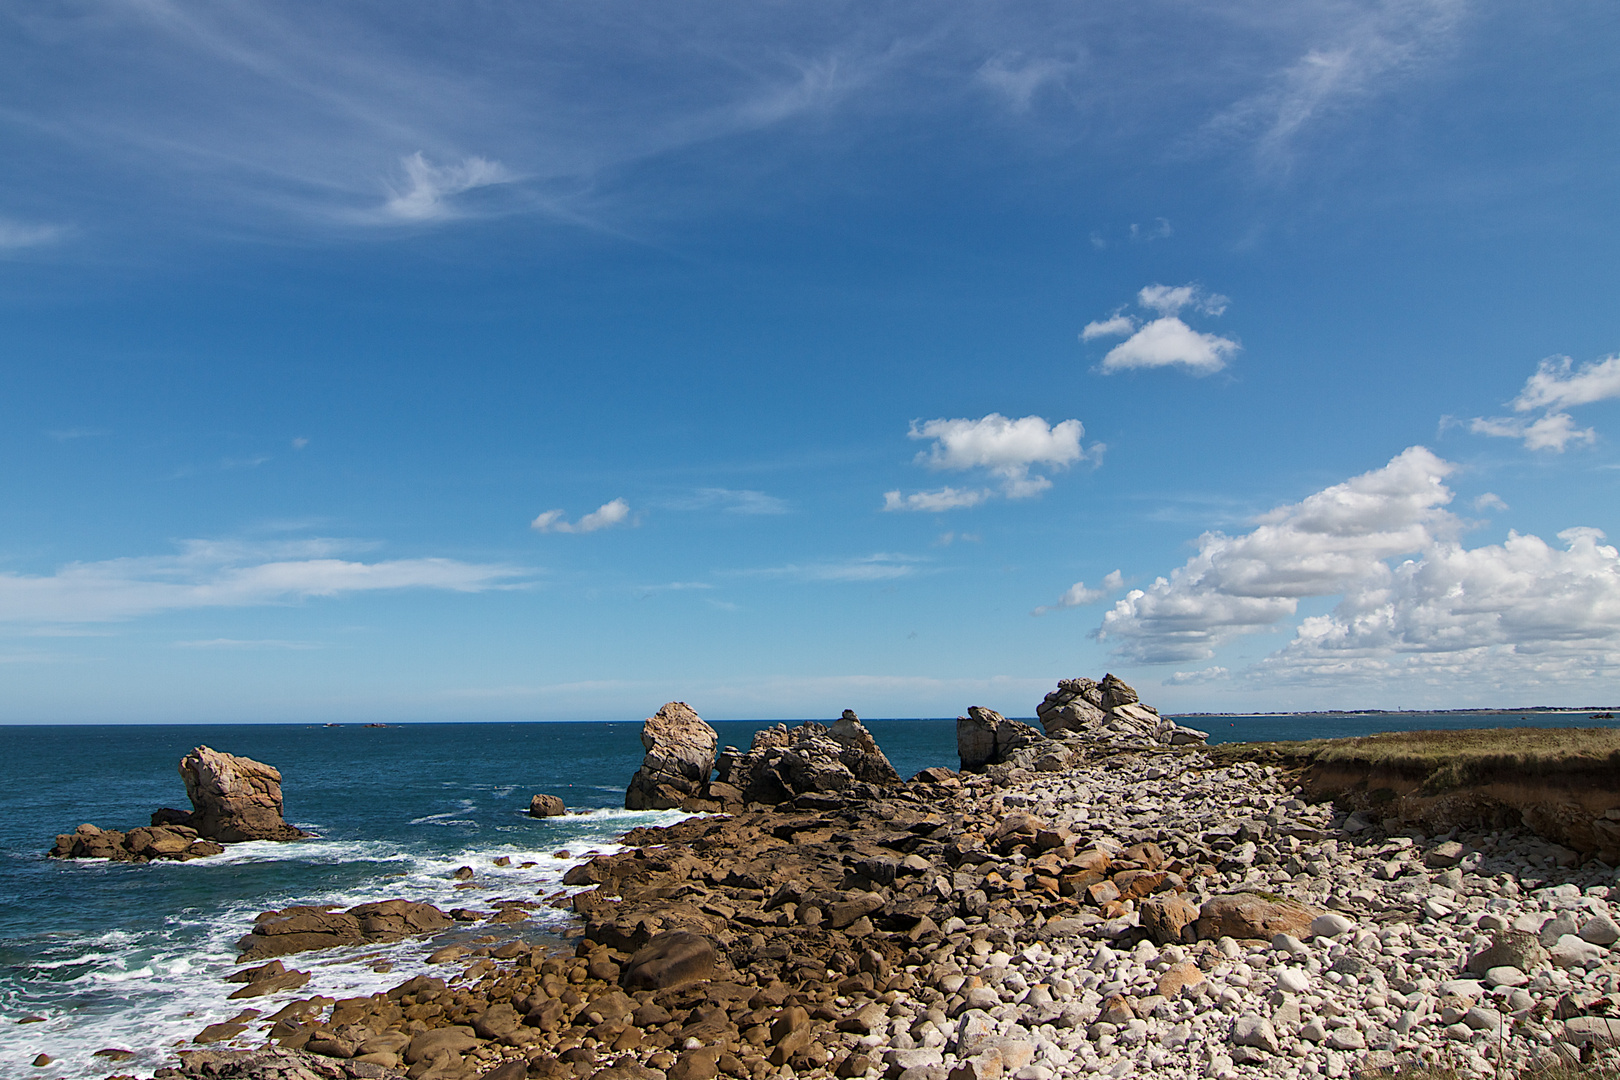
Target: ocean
131 958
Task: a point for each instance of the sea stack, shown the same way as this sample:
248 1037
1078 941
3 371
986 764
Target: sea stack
234 798
680 755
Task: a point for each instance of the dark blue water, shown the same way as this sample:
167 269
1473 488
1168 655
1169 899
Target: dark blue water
131 957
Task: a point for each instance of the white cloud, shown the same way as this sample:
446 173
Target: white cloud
605 516
1113 326
1165 341
1558 385
1169 342
1519 609
1320 546
429 187
1172 299
1193 678
883 566
730 501
1077 595
1519 612
207 574
15 235
1006 448
946 498
300 443
1490 501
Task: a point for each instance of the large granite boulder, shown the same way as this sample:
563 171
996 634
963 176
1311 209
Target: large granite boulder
233 798
984 737
176 842
680 755
783 763
303 927
1111 712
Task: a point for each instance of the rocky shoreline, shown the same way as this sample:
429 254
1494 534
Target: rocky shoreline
1110 902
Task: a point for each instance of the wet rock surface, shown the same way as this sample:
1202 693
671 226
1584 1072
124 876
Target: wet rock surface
1141 910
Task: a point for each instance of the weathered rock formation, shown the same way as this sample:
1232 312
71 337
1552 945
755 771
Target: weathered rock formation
680 755
783 763
178 842
1109 711
234 798
984 737
298 929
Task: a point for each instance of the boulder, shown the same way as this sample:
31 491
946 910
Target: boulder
546 806
984 737
234 798
1115 692
673 958
1109 711
300 928
680 755
1245 915
785 763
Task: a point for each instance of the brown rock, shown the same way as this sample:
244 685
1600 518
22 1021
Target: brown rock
1166 918
452 1039
546 806
670 959
234 798
1245 915
702 1063
1177 976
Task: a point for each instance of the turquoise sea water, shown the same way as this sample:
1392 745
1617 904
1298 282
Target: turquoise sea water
131 957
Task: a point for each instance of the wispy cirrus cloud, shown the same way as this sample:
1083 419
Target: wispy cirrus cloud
881 566
730 501
17 235
429 189
218 574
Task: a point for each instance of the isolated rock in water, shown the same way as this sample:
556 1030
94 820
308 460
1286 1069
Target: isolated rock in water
984 737
234 798
175 842
783 763
546 806
680 755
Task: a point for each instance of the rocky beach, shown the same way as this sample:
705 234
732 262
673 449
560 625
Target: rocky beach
1100 895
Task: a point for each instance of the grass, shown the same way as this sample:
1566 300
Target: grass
1448 759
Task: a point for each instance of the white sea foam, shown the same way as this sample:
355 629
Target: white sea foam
149 991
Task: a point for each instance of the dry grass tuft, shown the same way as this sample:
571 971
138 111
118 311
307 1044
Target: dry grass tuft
1449 759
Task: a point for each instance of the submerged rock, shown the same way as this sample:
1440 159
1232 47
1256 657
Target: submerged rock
680 755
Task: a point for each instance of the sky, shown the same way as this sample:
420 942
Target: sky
404 361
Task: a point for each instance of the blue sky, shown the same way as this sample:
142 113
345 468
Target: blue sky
400 361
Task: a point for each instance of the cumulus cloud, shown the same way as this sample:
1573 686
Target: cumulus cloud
1008 449
1490 500
1077 595
1556 385
1193 678
428 188
1412 599
605 516
1165 341
1321 546
207 574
